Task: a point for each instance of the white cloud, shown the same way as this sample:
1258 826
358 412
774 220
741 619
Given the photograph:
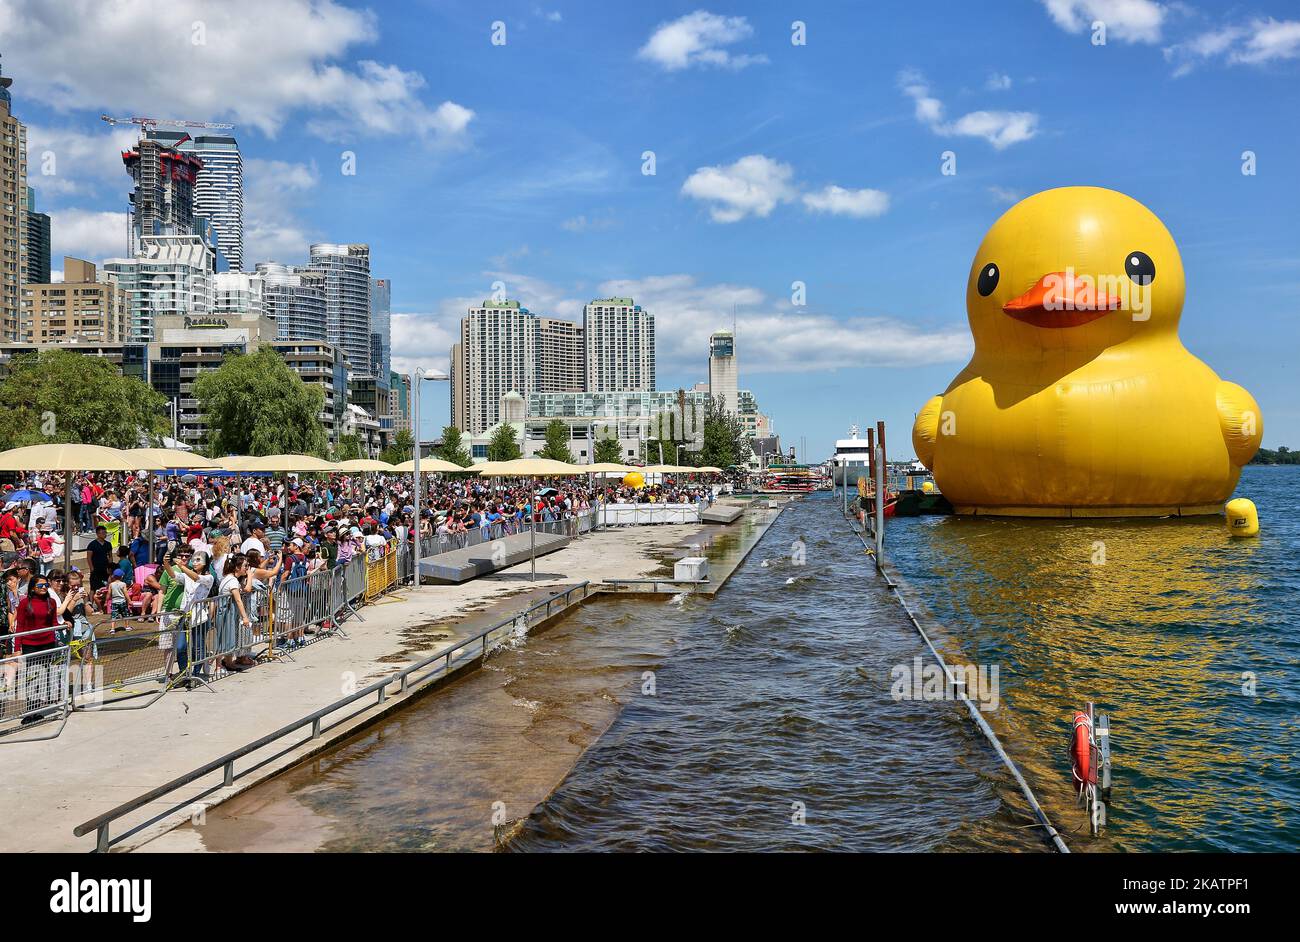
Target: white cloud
697 39
77 162
1130 21
81 233
1004 194
1268 40
755 185
596 222
252 62
1260 42
841 202
423 340
999 128
752 186
998 82
275 191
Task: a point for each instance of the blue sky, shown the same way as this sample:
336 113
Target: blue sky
774 163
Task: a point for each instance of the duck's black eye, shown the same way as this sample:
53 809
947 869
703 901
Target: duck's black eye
988 280
1140 268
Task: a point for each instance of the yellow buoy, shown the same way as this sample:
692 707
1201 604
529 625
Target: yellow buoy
927 487
634 479
1242 517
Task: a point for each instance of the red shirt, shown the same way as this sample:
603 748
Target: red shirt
36 613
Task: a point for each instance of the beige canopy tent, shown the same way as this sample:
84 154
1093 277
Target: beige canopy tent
71 459
529 468
288 464
365 464
430 466
709 469
233 462
608 468
173 459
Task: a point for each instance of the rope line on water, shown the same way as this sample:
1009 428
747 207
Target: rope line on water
971 708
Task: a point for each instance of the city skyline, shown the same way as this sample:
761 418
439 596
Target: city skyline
824 186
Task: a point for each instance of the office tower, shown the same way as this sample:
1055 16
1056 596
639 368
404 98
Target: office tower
218 192
399 401
561 356
169 275
723 375
620 346
295 299
381 329
238 293
162 203
347 301
459 392
497 354
83 308
36 270
13 211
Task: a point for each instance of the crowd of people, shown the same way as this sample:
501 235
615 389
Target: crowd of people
254 529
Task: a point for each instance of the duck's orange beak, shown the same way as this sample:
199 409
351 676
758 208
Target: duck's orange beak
1061 299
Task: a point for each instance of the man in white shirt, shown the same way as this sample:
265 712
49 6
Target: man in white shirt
256 541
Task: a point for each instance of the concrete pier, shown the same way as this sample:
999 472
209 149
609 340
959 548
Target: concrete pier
105 758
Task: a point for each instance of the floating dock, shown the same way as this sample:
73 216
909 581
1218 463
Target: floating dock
722 514
464 564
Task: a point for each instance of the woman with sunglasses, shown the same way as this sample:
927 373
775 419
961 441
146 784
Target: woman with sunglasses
38 616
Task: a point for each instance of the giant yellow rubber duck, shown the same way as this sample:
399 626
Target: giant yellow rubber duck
1080 400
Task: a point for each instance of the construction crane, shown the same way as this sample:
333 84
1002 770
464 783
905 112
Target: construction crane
154 122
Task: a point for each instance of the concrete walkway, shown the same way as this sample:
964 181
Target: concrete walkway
105 758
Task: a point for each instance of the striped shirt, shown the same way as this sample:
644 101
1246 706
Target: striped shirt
274 539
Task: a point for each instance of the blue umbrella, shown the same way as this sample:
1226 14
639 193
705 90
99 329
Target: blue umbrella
25 496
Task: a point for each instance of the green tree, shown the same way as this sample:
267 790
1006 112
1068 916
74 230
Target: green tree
256 405
608 449
401 449
349 448
451 448
725 441
65 396
503 446
557 442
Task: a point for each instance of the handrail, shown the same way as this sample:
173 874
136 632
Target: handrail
101 822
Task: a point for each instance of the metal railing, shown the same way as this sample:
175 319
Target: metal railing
459 654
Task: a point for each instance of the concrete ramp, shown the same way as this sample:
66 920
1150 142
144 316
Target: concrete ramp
722 514
464 564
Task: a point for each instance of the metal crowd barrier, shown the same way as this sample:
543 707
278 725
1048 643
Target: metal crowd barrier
632 515
305 609
381 572
133 666
583 522
34 690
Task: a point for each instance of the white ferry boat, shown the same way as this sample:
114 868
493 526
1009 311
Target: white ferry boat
851 457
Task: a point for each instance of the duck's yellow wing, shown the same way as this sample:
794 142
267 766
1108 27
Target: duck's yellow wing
1241 422
925 430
